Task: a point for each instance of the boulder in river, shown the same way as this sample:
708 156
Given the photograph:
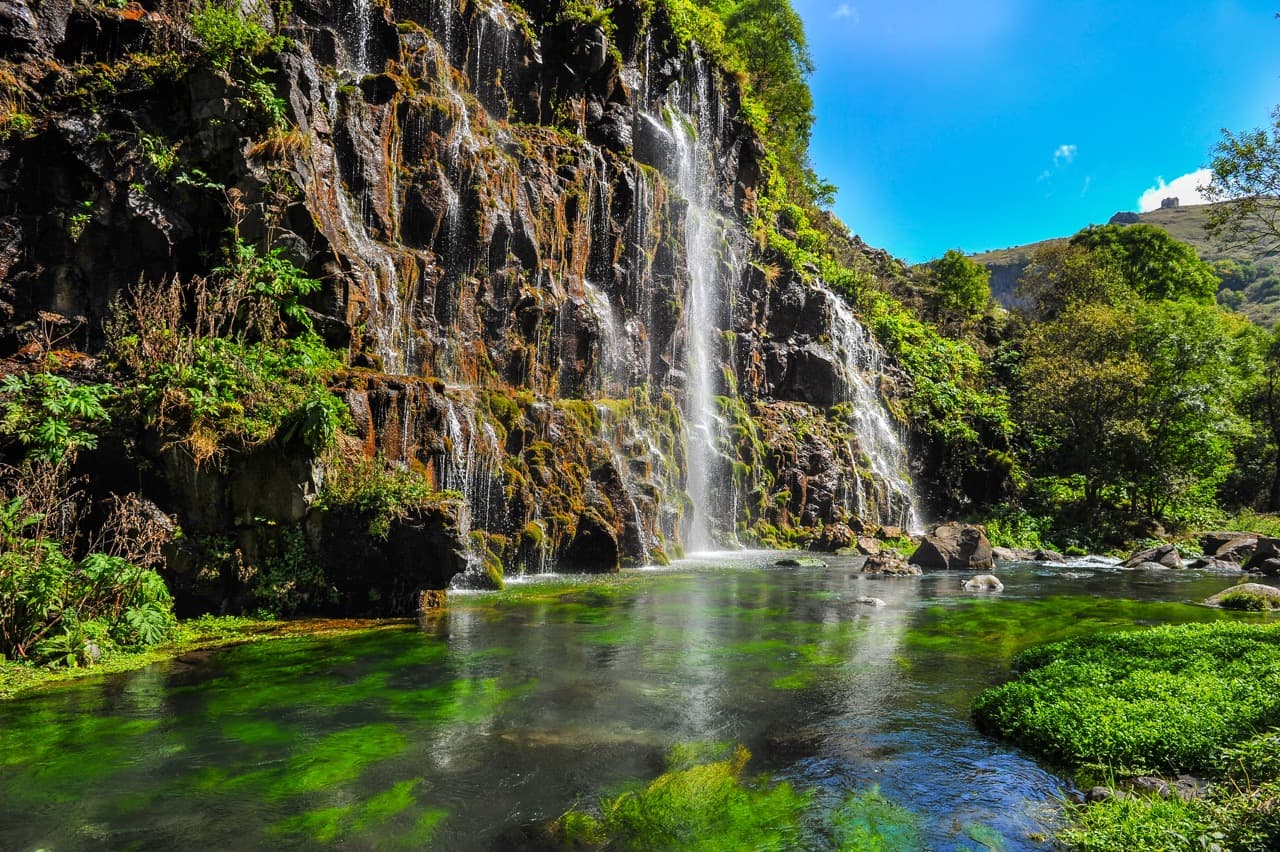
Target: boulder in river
1218 566
1165 555
1022 554
889 564
1238 550
869 601
954 546
984 583
1212 542
1266 549
1254 597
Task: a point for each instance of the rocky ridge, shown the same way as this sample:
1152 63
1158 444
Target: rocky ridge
496 200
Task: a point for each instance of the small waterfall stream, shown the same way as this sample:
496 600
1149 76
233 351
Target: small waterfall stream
878 437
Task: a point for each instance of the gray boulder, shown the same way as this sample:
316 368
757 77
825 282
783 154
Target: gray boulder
889 564
1238 550
954 546
1022 554
1266 549
1166 555
1212 542
1264 592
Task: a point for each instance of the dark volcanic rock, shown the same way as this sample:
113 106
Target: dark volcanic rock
1165 555
954 546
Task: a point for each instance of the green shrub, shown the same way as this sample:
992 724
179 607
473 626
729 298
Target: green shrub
64 609
289 580
226 34
378 489
1167 699
50 415
1249 602
210 366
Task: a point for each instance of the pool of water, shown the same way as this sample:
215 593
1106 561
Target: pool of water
507 709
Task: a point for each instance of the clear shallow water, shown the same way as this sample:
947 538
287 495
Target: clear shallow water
509 708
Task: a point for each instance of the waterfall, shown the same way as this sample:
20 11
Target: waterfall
362 32
861 365
611 350
471 467
711 266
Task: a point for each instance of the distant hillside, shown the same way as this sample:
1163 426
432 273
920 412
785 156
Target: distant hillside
1251 279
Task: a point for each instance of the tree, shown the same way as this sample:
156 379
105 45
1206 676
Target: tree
1080 377
962 286
1246 179
1062 274
1153 263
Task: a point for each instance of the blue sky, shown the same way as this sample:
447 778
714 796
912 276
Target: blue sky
990 123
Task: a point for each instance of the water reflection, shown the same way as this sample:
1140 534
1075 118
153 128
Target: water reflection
508 708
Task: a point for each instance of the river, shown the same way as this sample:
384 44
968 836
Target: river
508 708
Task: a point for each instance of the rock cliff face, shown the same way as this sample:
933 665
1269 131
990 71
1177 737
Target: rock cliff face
536 242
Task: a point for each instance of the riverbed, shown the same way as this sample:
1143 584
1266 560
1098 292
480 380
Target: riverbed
506 709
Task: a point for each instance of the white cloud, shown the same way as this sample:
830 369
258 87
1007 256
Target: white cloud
1064 155
844 10
1185 189
1088 182
1044 176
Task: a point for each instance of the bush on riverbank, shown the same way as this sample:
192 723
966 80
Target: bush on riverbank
67 601
1167 700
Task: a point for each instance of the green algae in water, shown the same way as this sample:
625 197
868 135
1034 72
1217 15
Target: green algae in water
998 628
369 817
716 806
869 822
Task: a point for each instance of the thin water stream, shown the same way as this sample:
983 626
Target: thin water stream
508 708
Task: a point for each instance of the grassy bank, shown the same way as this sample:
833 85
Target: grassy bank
1201 699
202 633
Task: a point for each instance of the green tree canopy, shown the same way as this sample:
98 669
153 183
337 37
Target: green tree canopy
1246 179
1153 263
962 286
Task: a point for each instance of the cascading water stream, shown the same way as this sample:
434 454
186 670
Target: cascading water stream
711 267
878 437
362 10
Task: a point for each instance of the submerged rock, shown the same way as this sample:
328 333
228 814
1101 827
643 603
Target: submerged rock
869 601
1020 554
984 583
890 564
956 547
800 562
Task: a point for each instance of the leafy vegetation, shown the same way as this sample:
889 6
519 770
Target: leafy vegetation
378 490
229 376
64 607
51 416
1196 698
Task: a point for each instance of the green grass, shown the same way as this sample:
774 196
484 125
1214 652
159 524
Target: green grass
196 634
1168 699
1201 698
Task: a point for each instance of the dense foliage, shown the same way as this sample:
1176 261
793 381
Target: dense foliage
67 603
1196 698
